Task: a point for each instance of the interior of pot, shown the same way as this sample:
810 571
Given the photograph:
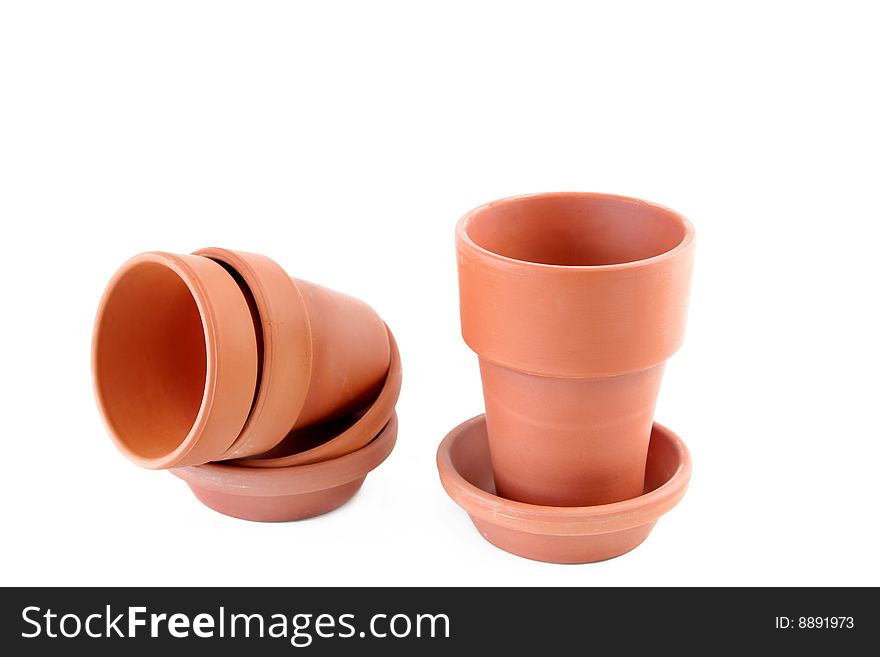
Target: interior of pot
150 359
576 229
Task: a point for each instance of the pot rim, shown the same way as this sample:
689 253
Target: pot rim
283 319
294 480
464 239
200 432
563 521
359 434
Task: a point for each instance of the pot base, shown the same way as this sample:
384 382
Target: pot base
280 508
560 534
288 493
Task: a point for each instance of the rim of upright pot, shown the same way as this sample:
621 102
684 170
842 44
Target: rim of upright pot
286 337
359 434
464 238
209 435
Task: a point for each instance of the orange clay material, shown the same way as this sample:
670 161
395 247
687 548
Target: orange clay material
350 354
562 442
573 302
291 493
174 360
560 534
351 438
325 354
312 354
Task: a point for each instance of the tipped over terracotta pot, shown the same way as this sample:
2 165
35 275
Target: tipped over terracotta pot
573 303
220 354
330 440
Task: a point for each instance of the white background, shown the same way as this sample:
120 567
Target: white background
345 140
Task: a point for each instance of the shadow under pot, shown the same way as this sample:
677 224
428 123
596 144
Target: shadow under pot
220 354
573 303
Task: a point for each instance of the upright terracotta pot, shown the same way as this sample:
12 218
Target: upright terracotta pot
219 354
573 303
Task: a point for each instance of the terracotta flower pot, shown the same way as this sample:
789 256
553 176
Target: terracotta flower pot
560 534
324 353
174 358
220 354
292 493
573 302
332 440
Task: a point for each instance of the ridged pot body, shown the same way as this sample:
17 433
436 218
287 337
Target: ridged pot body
350 350
573 303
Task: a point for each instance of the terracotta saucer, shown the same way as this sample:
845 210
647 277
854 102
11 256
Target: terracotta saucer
294 493
334 439
560 534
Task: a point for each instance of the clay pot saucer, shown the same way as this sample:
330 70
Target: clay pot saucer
294 493
560 534
350 436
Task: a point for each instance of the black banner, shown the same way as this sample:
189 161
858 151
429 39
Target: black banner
409 621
